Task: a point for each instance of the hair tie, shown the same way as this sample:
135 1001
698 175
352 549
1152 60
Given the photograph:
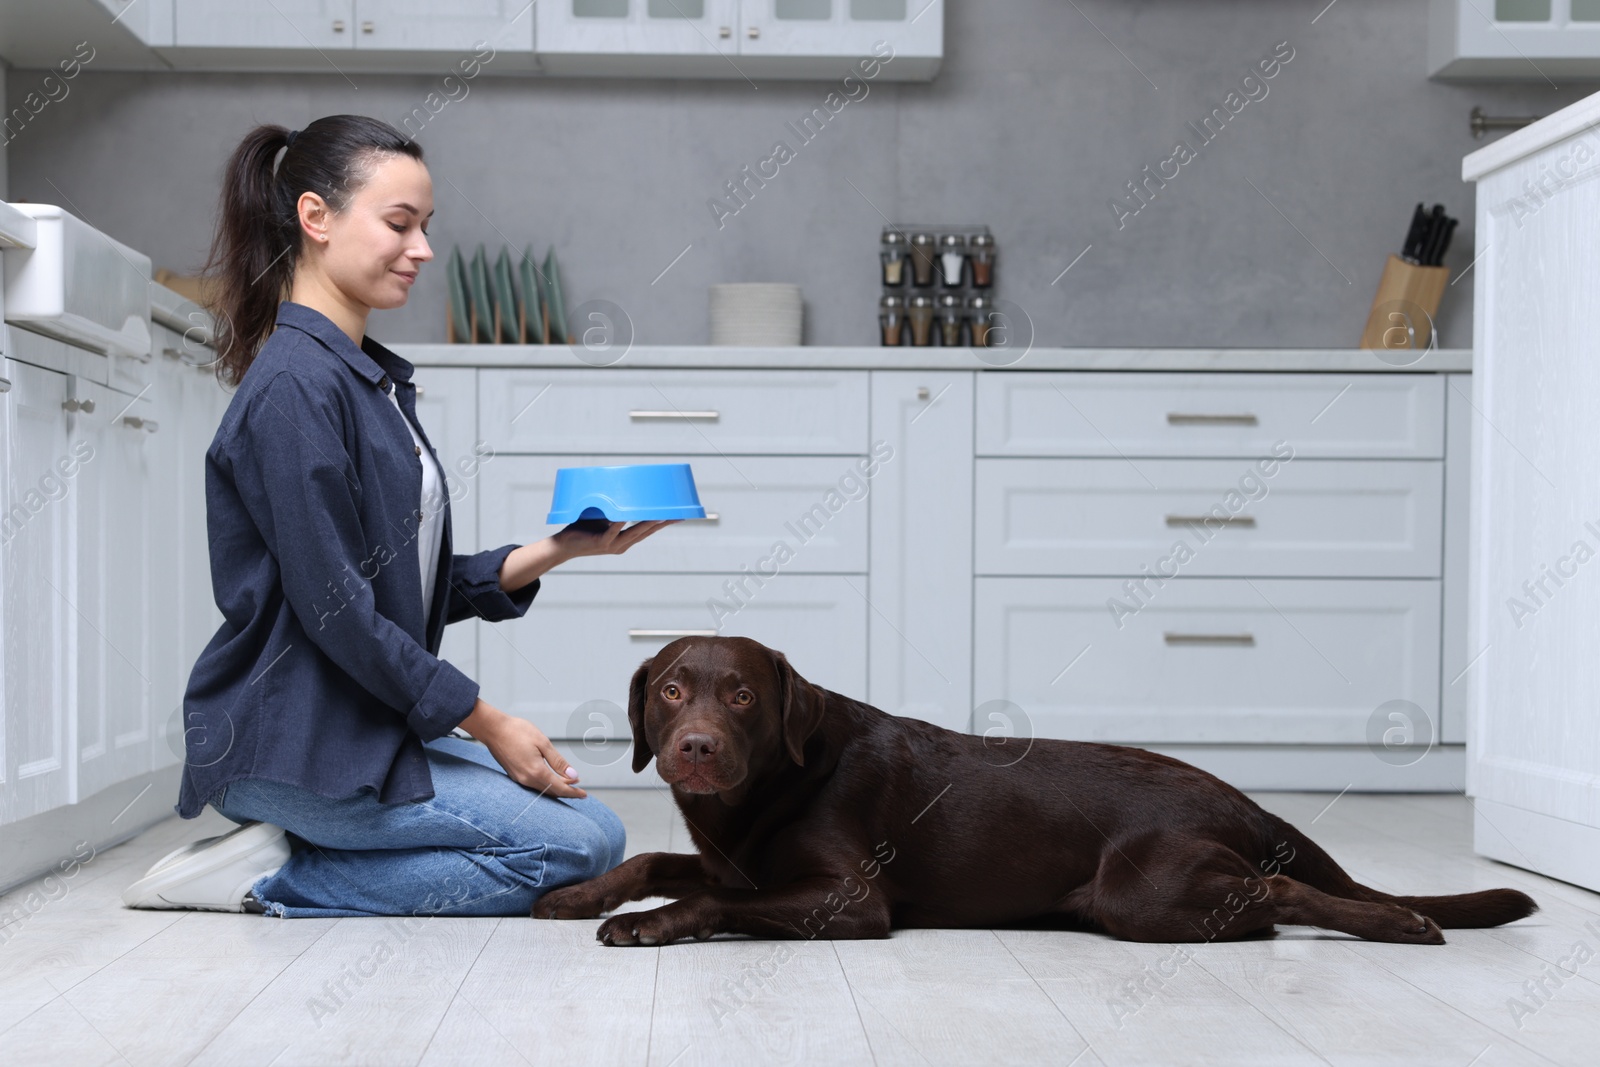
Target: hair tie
289 143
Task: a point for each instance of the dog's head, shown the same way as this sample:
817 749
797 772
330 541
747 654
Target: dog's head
716 711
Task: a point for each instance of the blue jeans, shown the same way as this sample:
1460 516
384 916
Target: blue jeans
483 845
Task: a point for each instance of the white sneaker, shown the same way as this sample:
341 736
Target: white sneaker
213 874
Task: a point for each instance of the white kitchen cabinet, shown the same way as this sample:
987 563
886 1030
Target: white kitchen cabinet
742 38
435 26
751 503
921 547
778 412
1208 660
1195 416
587 633
325 24
587 36
914 28
447 408
39 480
1185 518
1513 40
333 36
109 590
167 668
1014 505
1534 588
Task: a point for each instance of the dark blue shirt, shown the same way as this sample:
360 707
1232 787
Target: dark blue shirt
325 673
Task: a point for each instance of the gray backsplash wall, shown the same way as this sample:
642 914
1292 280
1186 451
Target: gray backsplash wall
1273 235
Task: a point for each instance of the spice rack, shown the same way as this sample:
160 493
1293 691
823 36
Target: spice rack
938 285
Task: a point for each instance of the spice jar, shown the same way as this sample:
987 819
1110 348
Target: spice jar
951 316
952 259
983 251
894 258
892 319
979 310
922 254
921 316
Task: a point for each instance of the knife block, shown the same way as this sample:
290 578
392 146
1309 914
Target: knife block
1404 290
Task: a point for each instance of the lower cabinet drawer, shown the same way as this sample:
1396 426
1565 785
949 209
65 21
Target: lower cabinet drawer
772 514
1217 660
706 412
1304 518
565 666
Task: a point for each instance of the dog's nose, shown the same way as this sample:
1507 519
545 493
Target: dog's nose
697 747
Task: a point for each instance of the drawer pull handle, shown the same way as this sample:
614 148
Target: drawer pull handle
710 416
1211 520
5 385
137 422
1210 639
1178 418
672 633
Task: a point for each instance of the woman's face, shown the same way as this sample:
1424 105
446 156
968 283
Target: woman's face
373 249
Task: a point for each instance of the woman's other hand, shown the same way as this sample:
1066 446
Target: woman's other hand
528 756
600 537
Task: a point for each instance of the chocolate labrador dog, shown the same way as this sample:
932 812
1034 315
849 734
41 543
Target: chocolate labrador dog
819 816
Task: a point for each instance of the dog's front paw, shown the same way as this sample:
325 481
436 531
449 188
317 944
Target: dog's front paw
572 902
655 927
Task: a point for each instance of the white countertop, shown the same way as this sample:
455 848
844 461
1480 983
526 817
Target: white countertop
651 357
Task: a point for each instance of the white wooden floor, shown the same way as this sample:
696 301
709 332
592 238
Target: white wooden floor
85 981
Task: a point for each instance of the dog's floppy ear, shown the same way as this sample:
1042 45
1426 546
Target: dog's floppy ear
636 699
802 705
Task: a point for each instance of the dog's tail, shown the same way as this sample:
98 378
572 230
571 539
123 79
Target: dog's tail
1296 855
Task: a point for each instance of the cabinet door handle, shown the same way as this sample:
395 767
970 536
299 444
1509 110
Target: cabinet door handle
1211 520
138 423
640 414
419 392
1178 418
1209 639
72 403
366 26
754 32
5 385
672 633
338 25
725 32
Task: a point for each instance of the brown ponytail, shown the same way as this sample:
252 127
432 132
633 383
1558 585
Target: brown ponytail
257 242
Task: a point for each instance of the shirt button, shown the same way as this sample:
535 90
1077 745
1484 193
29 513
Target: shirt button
418 448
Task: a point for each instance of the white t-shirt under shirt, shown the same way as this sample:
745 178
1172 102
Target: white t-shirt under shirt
430 531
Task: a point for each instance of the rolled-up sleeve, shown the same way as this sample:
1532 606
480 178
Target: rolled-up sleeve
475 591
296 478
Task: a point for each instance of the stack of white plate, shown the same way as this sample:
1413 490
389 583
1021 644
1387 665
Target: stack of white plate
755 313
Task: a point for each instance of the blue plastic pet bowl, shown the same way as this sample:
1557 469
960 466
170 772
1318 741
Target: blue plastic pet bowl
625 493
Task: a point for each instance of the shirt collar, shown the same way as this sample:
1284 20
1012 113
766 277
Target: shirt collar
371 360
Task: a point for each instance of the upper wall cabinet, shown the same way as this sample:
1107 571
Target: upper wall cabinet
903 39
329 36
1513 40
890 40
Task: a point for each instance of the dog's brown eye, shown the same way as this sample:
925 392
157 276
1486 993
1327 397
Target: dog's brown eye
670 692
742 697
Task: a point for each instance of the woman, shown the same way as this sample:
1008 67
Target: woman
321 707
